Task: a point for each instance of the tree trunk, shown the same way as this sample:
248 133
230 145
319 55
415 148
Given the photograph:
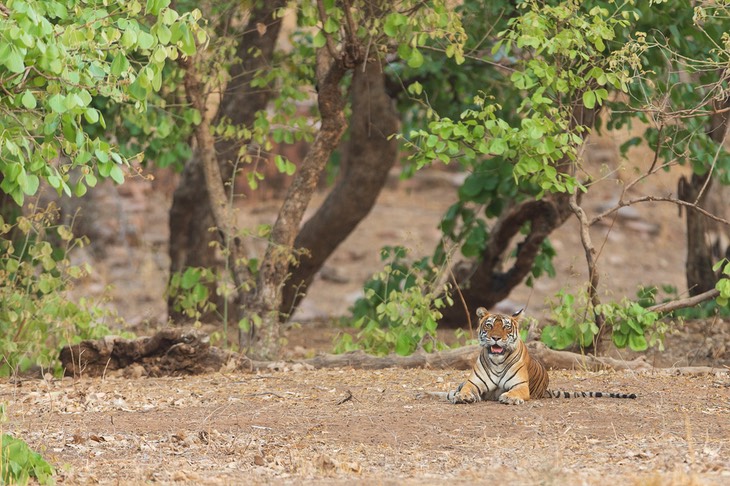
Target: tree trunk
369 156
263 302
190 214
484 283
697 190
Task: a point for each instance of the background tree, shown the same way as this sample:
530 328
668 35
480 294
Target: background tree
60 63
252 53
348 38
553 67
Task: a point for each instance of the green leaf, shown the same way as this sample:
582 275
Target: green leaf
28 100
637 342
145 40
403 345
415 60
331 26
57 103
620 340
12 59
319 40
119 65
31 184
117 174
190 277
589 99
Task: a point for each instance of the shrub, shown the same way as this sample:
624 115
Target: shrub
400 310
36 311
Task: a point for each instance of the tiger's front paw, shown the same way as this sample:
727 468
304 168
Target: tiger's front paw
462 397
505 398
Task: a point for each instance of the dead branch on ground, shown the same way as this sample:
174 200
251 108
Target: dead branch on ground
175 351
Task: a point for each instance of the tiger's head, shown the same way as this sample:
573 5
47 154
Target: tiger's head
498 333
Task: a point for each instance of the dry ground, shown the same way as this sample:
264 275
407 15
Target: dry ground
288 427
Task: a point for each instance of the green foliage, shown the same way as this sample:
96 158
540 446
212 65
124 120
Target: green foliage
56 58
567 64
36 312
678 82
18 463
574 327
723 284
189 291
632 324
547 60
398 314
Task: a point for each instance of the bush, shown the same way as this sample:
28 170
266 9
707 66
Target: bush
400 310
36 312
632 324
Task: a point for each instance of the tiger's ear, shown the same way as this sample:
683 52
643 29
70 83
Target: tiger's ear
518 313
481 312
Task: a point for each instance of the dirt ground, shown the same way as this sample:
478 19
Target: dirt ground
287 425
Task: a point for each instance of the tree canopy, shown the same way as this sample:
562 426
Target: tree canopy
508 91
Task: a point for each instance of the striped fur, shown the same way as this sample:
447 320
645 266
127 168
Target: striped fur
504 370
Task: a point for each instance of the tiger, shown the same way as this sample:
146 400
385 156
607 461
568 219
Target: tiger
504 370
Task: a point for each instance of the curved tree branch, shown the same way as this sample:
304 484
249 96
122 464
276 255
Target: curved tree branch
263 302
369 155
190 214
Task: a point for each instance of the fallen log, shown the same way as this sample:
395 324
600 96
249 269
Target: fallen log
177 351
170 352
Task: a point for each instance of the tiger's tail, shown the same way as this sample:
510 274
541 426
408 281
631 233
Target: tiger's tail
440 395
581 394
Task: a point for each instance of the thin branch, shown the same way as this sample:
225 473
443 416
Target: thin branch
658 146
673 200
665 307
720 146
590 251
222 211
328 38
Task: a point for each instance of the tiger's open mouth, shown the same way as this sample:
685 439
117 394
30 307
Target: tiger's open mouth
496 349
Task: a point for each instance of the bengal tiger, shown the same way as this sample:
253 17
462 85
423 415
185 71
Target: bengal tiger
504 370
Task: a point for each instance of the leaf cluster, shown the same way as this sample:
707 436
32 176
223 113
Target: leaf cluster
56 58
36 312
632 323
19 463
400 310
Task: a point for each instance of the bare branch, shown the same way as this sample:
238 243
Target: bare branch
590 251
665 307
221 209
673 200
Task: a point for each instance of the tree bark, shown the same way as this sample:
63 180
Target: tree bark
190 214
698 267
369 156
697 190
484 283
264 301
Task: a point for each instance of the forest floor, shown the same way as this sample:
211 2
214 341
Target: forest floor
299 427
291 425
